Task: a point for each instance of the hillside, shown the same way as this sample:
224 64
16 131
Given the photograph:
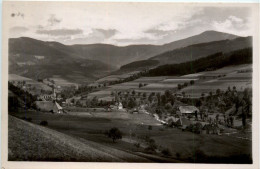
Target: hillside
119 56
25 139
193 52
37 60
200 50
211 62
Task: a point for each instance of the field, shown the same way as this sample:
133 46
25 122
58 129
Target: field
156 84
25 139
91 126
14 77
116 77
232 78
32 86
61 82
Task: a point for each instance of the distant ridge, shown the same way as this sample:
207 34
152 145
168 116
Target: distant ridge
35 59
192 52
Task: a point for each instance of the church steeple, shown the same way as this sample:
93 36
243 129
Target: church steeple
54 93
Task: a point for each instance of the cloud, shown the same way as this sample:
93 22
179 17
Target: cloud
115 23
106 33
158 32
53 20
60 32
96 35
232 24
18 29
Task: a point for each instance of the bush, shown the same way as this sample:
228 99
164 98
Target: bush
151 145
166 152
178 155
137 145
150 127
44 123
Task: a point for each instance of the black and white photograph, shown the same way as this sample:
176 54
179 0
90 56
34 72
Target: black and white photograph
132 82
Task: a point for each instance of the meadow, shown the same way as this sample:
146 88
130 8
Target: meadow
135 127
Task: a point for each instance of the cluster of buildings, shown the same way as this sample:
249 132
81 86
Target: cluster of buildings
48 103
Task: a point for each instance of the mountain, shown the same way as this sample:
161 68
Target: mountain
211 62
119 56
192 52
83 63
38 60
204 37
200 50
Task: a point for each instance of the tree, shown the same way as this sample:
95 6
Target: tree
131 103
168 106
198 103
133 92
218 91
167 93
140 85
144 95
158 95
234 88
191 82
150 98
115 134
94 101
163 99
179 86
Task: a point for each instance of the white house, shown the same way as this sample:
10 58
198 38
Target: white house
120 106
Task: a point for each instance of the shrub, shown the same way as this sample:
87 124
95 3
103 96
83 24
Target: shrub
137 145
44 123
151 145
178 155
166 152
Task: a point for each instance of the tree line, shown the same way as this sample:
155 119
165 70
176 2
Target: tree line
211 62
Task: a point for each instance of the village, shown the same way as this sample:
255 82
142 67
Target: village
220 112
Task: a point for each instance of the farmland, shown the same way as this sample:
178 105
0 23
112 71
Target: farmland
205 82
32 86
232 77
55 146
91 126
115 77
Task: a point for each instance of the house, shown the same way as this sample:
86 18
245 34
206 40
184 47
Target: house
120 106
186 110
49 106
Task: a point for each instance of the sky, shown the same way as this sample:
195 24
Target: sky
123 23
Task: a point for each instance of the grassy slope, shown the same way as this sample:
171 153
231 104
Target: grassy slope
92 126
30 142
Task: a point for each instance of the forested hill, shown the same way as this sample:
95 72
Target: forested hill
215 61
190 53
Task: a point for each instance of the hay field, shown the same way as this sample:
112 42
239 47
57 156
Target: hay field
91 127
30 142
